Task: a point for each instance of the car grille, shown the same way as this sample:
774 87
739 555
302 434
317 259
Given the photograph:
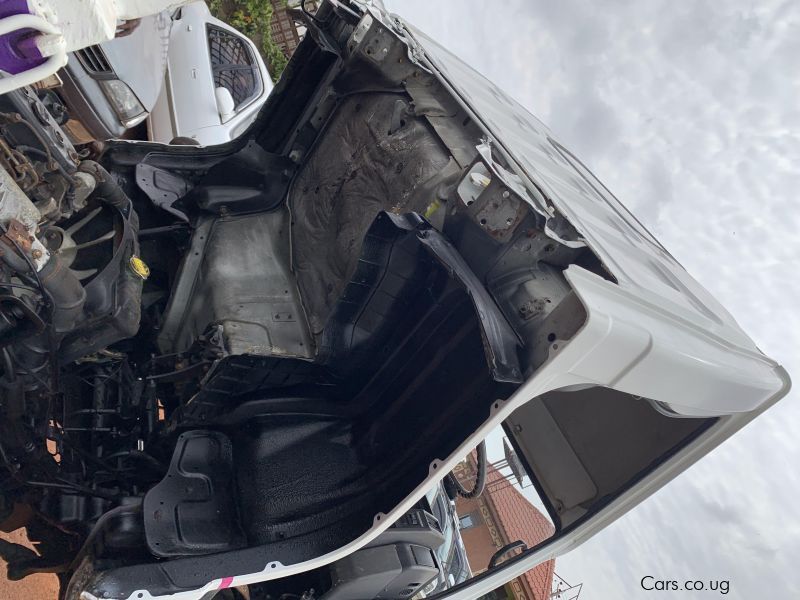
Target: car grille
95 62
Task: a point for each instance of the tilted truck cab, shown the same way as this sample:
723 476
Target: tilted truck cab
336 307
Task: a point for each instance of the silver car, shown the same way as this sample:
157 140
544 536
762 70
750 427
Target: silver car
194 79
105 92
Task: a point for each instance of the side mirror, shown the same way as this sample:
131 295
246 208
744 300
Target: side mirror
225 103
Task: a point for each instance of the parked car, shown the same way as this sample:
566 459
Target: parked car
216 81
452 555
196 78
105 92
244 366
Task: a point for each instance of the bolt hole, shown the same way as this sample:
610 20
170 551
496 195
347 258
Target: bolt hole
551 337
483 221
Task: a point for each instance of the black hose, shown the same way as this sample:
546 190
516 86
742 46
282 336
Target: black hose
18 264
125 509
107 189
67 295
43 154
480 476
63 484
8 365
505 550
19 286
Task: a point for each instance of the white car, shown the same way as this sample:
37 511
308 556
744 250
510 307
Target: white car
196 80
216 81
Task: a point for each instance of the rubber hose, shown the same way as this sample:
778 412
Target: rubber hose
480 476
107 189
66 293
10 371
61 285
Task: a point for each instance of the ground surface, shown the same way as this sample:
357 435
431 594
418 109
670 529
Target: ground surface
35 587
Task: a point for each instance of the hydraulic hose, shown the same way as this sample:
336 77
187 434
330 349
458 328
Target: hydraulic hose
480 476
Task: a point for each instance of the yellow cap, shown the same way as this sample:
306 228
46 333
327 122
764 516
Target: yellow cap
139 267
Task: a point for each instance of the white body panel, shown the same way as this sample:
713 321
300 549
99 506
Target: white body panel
187 106
609 341
653 323
83 23
69 25
678 324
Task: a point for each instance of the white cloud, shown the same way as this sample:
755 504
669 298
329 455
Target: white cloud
689 112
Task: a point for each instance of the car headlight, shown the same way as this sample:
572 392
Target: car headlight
125 103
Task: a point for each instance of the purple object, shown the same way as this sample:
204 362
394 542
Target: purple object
18 49
13 7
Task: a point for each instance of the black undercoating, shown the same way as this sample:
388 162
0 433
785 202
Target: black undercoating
193 509
373 157
372 424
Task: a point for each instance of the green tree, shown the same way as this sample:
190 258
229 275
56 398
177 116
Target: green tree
253 18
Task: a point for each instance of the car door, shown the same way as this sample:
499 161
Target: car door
187 101
206 54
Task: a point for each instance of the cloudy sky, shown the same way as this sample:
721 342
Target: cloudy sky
690 112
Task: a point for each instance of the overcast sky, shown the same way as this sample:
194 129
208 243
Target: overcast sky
690 113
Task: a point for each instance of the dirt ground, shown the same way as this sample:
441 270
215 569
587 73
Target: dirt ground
35 587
